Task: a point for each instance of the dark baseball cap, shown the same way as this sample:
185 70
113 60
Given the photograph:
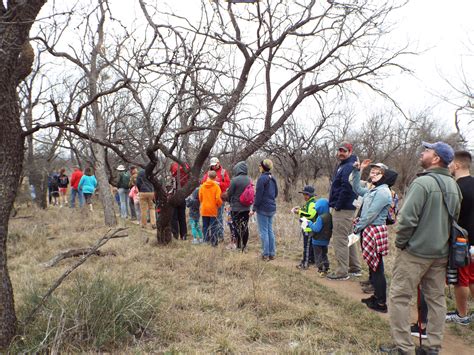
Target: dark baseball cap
308 190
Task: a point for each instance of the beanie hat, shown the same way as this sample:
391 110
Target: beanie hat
266 164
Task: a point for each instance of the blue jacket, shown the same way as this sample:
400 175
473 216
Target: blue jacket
265 195
87 184
341 195
192 202
322 210
375 204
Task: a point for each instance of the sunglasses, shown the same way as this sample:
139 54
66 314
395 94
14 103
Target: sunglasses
343 150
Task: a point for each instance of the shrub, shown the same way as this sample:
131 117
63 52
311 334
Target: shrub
98 314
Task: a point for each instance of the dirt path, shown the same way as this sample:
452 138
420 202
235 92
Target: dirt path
351 289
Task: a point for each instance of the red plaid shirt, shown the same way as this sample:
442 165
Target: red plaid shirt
374 244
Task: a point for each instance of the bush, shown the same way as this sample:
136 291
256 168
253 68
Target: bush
93 315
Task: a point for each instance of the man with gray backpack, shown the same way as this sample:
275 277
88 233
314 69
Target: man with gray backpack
422 237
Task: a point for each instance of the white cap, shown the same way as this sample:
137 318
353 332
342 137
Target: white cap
120 168
214 161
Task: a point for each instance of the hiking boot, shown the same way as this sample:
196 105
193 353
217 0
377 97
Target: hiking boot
335 277
378 307
392 349
368 289
365 283
265 258
456 318
355 274
271 257
322 273
415 331
369 299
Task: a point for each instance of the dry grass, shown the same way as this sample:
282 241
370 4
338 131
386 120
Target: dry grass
211 299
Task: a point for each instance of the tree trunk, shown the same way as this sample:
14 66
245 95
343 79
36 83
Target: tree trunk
11 162
163 232
108 201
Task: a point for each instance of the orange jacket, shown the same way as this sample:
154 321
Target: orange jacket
210 198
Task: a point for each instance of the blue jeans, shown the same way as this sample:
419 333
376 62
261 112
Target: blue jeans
80 196
265 230
209 229
123 196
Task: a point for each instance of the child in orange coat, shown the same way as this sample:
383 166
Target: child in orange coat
210 199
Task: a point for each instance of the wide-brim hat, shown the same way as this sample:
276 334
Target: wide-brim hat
120 168
308 190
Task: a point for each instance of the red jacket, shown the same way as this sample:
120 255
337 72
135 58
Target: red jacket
75 178
222 179
183 176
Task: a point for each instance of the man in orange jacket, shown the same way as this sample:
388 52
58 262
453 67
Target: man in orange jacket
210 198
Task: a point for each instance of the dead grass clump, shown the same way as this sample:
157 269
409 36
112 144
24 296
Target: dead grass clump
94 314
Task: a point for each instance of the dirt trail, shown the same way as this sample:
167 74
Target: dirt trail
351 289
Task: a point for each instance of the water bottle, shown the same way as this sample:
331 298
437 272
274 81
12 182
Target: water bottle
460 252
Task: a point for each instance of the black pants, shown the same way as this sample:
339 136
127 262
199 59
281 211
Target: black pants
321 257
379 282
308 254
241 223
423 309
178 222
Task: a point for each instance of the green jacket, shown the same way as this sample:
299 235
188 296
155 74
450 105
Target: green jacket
423 222
309 212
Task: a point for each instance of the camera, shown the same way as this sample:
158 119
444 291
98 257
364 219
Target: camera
451 276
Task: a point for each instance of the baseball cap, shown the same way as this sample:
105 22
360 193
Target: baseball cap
379 165
345 146
443 150
214 161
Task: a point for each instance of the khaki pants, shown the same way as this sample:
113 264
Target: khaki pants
408 272
146 204
347 257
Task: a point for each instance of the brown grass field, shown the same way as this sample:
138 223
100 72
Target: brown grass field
203 299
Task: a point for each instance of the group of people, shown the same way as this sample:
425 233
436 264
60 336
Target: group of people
422 238
208 200
82 187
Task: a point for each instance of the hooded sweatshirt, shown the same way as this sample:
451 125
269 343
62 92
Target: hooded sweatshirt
239 182
322 227
210 198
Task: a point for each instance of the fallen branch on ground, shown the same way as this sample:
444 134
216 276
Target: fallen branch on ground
109 235
73 253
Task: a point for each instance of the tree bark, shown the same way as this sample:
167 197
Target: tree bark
15 65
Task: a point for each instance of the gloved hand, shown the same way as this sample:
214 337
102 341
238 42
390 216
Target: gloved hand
304 223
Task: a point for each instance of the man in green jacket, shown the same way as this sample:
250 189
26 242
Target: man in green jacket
422 239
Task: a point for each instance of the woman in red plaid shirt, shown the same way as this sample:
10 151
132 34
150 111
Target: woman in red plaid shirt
372 226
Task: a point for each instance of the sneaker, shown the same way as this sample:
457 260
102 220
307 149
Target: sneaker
415 331
265 258
456 318
382 308
302 266
195 241
335 277
322 273
231 246
271 257
355 274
